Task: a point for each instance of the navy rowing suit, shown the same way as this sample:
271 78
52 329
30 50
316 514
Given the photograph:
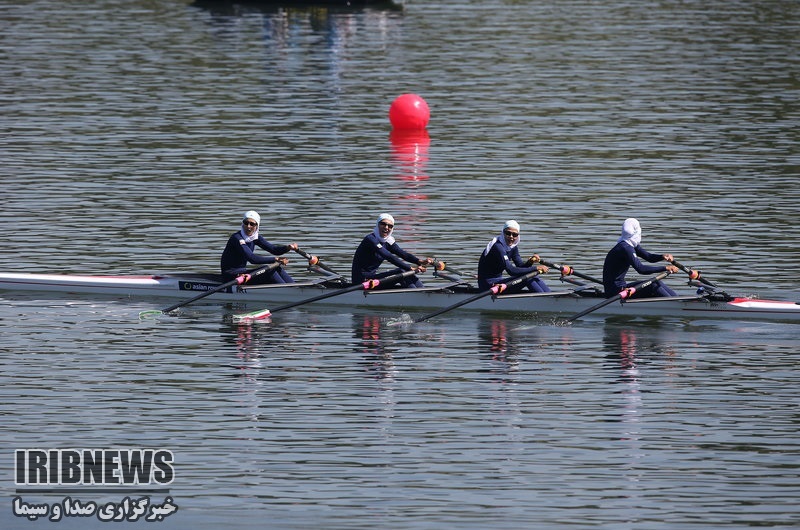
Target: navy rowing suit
624 256
499 258
239 252
372 252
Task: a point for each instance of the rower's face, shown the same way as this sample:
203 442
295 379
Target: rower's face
385 228
511 236
249 226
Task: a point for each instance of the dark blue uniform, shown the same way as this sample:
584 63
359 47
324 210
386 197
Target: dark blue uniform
497 260
239 252
620 259
371 253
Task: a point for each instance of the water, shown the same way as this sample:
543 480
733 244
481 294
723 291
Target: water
135 133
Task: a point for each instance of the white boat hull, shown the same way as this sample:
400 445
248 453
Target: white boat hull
563 303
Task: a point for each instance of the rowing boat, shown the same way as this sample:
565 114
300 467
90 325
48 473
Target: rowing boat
566 302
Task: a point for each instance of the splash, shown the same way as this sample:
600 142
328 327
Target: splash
402 320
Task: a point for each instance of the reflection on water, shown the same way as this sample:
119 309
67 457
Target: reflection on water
410 154
375 358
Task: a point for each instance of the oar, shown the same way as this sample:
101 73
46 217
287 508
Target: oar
693 274
316 261
365 286
441 266
623 294
242 278
495 289
566 270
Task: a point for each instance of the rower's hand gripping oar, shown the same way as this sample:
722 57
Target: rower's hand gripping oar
622 295
494 290
566 270
693 274
239 280
365 286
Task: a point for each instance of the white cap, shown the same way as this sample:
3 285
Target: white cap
511 224
250 214
385 217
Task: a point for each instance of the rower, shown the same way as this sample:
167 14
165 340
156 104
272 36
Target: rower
239 251
502 255
379 246
624 255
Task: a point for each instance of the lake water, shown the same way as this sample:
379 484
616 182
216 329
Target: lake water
134 134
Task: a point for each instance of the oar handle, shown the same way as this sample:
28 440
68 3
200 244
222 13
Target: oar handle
693 274
566 270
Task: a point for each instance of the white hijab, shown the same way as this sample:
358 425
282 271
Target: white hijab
502 238
247 238
250 214
631 232
389 240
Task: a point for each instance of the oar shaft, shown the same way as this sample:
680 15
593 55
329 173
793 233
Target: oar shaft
495 289
318 263
625 293
456 305
566 270
694 275
367 285
221 287
442 266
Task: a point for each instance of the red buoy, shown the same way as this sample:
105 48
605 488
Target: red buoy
409 112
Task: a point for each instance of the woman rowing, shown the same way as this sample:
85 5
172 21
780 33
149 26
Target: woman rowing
502 255
240 251
626 254
379 246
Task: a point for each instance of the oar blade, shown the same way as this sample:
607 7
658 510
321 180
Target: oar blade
253 316
150 313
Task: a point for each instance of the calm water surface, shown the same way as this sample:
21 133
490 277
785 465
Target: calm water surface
133 135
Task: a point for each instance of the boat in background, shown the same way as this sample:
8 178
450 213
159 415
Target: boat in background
706 304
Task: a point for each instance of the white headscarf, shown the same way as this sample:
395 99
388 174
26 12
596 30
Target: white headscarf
390 238
631 232
502 238
251 214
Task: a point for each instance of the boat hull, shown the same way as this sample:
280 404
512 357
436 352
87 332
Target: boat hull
562 303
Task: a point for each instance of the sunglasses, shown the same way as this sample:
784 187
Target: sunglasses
249 223
387 225
511 234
